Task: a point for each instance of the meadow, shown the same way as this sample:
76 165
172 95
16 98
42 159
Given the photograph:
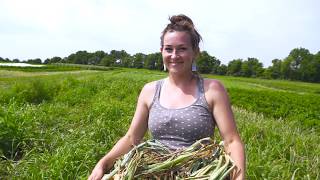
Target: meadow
57 123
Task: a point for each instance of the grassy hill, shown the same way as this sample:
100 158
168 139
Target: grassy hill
58 124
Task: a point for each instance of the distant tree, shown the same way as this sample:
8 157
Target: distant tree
126 61
206 63
99 54
34 61
107 61
93 60
138 60
159 61
275 69
316 61
80 57
2 60
222 69
96 57
46 61
14 60
55 59
295 66
267 73
251 68
234 67
151 60
119 57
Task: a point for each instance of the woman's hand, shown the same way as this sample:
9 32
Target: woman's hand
97 173
138 128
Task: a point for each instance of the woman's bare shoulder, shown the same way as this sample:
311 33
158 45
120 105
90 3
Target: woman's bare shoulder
213 85
215 92
149 87
148 92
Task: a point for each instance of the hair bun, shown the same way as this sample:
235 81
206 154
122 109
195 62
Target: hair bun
181 20
182 23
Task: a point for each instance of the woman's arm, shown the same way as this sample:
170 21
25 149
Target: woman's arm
223 115
133 136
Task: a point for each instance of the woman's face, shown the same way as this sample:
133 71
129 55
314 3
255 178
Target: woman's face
177 52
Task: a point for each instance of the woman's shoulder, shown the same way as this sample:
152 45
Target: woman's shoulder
213 85
214 91
150 86
148 92
149 89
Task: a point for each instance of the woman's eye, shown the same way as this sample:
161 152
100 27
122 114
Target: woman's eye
168 49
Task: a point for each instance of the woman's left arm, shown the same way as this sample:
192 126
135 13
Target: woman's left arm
223 115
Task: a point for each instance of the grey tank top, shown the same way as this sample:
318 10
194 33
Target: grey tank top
181 127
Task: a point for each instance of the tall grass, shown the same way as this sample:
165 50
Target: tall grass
59 126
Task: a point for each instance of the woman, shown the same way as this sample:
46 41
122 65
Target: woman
181 108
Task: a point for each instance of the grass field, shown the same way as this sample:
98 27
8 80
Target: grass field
58 124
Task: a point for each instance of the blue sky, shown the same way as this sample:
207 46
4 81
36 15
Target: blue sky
264 29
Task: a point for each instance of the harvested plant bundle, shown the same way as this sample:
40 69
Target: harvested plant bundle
151 160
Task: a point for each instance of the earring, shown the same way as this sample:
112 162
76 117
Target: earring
194 66
164 67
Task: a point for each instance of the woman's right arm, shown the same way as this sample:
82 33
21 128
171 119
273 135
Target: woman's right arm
134 135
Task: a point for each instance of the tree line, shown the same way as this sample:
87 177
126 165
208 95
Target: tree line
299 65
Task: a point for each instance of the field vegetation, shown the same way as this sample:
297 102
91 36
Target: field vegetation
57 123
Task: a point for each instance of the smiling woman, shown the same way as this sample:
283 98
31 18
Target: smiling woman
182 108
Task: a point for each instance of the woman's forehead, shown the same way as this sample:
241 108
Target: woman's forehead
177 38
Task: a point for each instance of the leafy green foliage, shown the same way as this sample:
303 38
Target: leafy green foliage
57 126
207 63
279 105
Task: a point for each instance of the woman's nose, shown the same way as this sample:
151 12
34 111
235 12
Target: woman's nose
174 54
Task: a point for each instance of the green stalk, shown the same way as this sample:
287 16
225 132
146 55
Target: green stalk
216 174
227 172
168 164
132 166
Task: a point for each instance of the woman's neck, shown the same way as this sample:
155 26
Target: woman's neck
181 80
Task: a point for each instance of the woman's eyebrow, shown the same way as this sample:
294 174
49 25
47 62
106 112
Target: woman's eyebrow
168 45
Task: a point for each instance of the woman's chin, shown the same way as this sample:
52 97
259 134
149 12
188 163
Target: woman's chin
177 71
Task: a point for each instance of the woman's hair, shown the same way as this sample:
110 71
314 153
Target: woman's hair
183 23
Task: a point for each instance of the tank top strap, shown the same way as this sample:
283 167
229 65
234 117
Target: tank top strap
157 92
202 97
200 85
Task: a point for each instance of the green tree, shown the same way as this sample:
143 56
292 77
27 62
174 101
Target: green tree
138 60
234 67
206 63
275 69
96 57
251 68
118 57
14 60
295 66
107 61
314 68
222 69
34 61
80 57
159 61
55 59
152 60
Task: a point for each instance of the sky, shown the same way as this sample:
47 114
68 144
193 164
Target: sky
231 29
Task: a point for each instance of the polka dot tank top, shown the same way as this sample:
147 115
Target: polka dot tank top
181 127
